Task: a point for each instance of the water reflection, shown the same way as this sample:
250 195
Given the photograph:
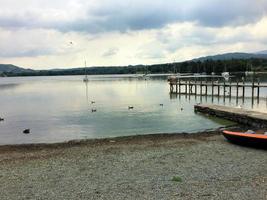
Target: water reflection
8 86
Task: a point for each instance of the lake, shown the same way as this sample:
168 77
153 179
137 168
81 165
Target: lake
59 108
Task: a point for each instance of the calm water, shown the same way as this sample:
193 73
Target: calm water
59 108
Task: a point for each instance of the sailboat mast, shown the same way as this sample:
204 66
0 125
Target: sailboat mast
85 69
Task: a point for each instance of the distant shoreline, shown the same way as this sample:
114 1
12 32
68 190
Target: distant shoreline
236 62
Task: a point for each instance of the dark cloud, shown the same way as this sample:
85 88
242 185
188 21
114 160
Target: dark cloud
217 13
126 15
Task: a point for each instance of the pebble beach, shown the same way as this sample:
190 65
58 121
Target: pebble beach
164 166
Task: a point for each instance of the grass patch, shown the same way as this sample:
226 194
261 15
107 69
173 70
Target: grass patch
176 179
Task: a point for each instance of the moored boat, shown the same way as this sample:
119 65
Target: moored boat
247 139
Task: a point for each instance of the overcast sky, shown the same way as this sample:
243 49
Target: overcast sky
43 34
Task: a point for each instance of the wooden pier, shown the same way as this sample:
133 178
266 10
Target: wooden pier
193 86
239 115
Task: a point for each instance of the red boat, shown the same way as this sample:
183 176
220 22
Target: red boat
248 139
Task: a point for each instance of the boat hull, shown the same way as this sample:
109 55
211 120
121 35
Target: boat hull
252 140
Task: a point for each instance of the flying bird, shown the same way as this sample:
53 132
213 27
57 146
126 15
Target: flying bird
26 131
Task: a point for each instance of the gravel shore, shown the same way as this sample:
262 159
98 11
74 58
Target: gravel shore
205 166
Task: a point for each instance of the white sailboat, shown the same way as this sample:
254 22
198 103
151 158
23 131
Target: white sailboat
85 79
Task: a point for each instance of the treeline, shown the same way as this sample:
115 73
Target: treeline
208 66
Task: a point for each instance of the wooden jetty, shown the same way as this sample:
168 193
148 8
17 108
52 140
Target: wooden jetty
199 85
239 115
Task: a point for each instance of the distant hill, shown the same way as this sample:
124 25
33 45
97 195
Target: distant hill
261 52
8 68
234 62
229 56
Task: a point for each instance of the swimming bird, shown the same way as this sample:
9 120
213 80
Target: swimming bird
161 104
92 102
1 119
130 107
93 110
26 131
182 109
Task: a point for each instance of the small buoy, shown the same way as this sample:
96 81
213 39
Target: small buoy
130 107
26 131
93 110
92 102
161 104
1 119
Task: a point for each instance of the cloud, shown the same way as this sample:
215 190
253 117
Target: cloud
110 52
145 32
124 15
32 43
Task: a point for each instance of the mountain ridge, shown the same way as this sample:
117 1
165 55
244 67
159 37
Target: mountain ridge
12 68
237 60
261 52
233 55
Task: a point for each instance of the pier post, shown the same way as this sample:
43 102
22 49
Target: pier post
224 90
190 87
219 89
179 82
258 91
253 85
200 87
230 90
206 88
212 89
186 87
237 88
237 91
195 88
243 89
